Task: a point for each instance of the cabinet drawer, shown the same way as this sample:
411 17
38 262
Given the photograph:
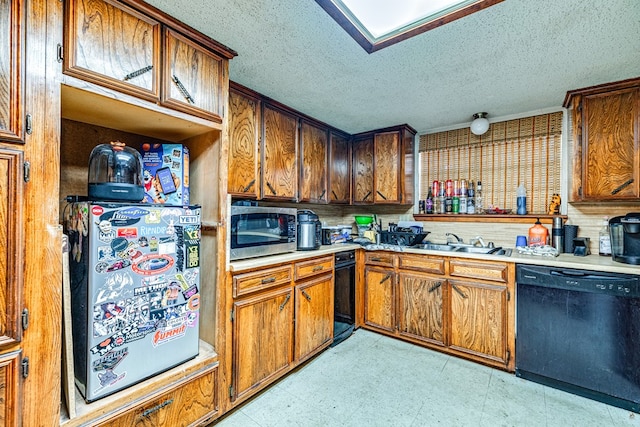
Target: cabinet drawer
494 271
189 404
312 267
380 258
422 263
246 283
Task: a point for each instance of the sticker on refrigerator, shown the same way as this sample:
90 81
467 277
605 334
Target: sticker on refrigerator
152 264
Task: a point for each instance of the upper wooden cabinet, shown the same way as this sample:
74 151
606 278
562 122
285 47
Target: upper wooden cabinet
119 46
606 140
339 169
279 154
11 70
193 77
244 143
389 154
313 163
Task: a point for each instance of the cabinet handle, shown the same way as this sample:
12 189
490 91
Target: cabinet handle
318 267
385 278
268 280
376 259
335 196
621 186
249 185
137 73
157 408
182 89
322 194
455 288
273 190
436 286
366 196
306 295
381 195
286 300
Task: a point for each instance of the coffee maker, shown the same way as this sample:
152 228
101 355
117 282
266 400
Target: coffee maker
625 238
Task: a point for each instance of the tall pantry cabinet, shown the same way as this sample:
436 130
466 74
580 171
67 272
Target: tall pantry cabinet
30 238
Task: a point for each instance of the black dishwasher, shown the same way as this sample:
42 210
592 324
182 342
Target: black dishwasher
579 331
344 313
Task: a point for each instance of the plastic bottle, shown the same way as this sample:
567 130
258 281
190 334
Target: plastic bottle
479 206
538 234
521 200
605 238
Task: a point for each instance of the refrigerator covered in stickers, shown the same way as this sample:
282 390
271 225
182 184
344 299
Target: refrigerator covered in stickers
135 291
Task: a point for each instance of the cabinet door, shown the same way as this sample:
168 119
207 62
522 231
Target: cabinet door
262 339
420 306
611 152
11 63
10 389
479 320
11 248
279 165
313 170
339 169
379 298
387 167
112 45
193 77
244 140
314 316
363 171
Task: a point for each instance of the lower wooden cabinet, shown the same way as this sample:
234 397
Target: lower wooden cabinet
276 328
314 316
190 404
456 305
420 307
10 389
262 339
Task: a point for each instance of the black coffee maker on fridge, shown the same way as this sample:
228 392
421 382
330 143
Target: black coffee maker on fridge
625 238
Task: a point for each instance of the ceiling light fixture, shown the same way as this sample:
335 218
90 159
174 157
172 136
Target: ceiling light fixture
480 124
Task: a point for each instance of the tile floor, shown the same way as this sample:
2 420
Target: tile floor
373 380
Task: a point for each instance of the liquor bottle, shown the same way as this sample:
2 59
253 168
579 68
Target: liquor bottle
471 198
463 196
479 205
428 206
604 238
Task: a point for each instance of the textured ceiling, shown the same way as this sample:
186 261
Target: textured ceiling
515 57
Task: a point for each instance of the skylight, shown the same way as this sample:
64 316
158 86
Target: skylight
375 24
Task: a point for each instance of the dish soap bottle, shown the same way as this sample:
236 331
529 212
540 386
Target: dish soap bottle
605 239
538 234
521 200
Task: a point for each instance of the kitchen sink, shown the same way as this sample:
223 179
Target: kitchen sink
436 247
462 248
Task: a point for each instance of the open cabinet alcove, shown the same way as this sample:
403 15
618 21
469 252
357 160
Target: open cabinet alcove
92 115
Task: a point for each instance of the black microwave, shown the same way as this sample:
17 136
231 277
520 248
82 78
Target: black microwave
261 230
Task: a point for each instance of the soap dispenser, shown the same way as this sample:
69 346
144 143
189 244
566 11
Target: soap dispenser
538 234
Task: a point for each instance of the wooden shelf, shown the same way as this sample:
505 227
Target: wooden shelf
525 219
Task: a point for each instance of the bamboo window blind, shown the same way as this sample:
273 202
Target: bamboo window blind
518 151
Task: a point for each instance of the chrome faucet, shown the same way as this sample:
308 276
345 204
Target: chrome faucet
458 239
478 239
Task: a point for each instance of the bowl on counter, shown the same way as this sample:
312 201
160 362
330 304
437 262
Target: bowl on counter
364 219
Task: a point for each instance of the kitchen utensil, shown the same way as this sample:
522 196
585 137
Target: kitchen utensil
364 219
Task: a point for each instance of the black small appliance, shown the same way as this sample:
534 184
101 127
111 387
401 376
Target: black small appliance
625 238
115 173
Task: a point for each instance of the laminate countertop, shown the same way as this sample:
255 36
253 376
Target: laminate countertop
589 262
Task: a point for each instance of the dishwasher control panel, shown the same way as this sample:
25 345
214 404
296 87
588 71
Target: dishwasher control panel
624 285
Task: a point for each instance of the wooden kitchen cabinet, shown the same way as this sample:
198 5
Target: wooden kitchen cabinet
383 166
10 385
314 141
380 298
314 316
262 339
192 77
606 140
362 170
420 307
126 47
113 45
460 306
11 70
244 143
339 169
279 154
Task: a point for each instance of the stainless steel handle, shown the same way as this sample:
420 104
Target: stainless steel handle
137 73
182 89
